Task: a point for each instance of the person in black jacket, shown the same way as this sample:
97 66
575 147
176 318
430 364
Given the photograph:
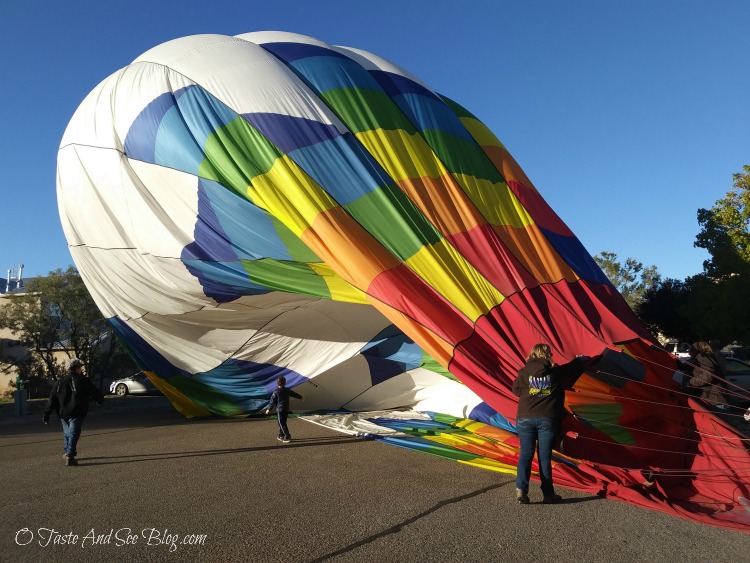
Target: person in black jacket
70 401
280 398
705 375
541 386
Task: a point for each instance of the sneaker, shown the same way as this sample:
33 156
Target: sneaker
286 440
522 497
552 499
71 461
279 438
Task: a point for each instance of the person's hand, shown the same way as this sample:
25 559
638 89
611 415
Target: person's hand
45 419
268 410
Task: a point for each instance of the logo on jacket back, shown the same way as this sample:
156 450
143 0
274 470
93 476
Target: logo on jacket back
540 385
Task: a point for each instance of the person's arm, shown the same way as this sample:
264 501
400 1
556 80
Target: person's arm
721 363
51 403
520 384
296 395
570 372
94 393
700 378
272 402
684 367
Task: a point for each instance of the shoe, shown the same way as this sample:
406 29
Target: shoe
552 499
286 440
522 497
279 438
71 461
65 456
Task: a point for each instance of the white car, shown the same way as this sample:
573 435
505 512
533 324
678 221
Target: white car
137 384
679 349
738 373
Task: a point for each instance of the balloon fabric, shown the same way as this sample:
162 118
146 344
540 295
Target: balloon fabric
244 208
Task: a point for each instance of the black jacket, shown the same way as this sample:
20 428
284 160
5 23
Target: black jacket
705 378
280 398
541 387
70 396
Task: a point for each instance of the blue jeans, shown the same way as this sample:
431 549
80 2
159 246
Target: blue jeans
539 434
71 432
283 430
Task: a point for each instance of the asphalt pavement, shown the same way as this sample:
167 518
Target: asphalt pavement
153 486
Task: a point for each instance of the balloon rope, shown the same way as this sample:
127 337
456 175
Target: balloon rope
663 388
660 387
741 392
718 437
691 454
658 403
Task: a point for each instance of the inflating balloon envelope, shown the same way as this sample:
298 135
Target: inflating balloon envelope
247 207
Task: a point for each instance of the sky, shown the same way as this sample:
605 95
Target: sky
628 116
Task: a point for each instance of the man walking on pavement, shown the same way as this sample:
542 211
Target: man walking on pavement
70 401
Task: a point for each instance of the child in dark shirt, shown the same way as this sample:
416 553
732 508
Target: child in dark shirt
280 398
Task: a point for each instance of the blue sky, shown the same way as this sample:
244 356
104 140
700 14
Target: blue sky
628 116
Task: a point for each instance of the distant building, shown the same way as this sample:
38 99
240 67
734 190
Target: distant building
13 281
11 349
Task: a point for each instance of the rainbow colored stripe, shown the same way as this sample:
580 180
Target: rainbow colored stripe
244 208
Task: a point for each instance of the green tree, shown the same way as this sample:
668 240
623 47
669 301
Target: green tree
720 296
664 309
719 308
56 316
724 230
631 279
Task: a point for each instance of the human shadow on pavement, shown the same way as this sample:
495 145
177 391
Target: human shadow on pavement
100 423
54 428
138 458
399 526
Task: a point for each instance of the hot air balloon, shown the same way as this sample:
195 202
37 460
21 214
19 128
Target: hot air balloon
247 207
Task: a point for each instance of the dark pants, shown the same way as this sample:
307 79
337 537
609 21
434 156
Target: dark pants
283 430
71 432
539 434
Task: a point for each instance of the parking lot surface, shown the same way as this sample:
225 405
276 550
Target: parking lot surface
153 486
